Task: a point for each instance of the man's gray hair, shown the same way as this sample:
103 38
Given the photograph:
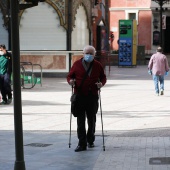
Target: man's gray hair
90 49
159 49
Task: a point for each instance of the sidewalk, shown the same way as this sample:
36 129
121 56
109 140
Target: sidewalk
136 126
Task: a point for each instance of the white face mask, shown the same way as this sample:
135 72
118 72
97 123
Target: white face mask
1 53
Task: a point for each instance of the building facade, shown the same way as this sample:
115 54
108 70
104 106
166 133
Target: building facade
54 33
147 14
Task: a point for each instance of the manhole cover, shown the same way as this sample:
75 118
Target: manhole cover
159 160
38 145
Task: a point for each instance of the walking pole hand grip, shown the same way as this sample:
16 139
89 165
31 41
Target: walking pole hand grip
98 84
72 82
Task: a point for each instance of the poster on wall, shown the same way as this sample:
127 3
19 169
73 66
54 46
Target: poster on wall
125 51
102 40
156 38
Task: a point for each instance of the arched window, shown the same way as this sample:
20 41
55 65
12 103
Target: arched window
80 34
40 29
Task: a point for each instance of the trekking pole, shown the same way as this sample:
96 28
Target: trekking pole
70 125
101 119
70 130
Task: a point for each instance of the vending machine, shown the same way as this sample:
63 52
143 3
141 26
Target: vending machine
127 42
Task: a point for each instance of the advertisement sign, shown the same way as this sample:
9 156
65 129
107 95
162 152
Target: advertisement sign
125 51
127 42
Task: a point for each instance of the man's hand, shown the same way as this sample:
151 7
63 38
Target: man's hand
72 82
99 85
166 73
150 72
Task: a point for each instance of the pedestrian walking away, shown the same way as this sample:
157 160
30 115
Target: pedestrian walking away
5 75
158 67
86 76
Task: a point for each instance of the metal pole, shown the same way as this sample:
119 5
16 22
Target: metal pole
9 25
161 4
69 9
19 162
70 122
107 22
101 118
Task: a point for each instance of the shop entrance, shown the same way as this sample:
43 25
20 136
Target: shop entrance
166 36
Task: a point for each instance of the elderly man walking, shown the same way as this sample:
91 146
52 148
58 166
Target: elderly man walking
158 67
87 77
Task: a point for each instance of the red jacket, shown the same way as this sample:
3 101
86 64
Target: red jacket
78 71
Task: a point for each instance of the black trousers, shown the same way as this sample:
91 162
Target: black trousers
5 86
87 108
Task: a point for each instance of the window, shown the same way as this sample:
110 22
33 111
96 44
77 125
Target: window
132 14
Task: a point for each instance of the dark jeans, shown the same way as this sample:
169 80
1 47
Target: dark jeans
5 86
88 106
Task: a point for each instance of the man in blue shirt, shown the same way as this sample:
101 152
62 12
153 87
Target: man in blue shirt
5 75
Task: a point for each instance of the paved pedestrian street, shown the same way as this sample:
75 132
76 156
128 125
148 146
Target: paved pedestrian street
136 126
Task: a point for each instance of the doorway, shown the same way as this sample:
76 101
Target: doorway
166 36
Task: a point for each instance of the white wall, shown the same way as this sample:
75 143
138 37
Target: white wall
3 32
40 29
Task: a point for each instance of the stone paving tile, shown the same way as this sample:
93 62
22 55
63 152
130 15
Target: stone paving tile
131 154
136 126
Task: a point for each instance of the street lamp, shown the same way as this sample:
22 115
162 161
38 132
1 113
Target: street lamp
15 6
161 3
